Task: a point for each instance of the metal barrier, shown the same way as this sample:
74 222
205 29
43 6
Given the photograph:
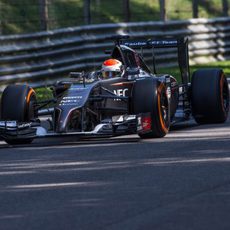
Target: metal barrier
42 58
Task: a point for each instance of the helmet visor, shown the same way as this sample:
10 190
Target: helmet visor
110 74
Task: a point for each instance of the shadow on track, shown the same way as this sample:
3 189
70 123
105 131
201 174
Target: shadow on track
64 141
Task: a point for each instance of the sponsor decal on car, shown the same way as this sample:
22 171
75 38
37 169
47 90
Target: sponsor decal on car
70 100
121 92
144 123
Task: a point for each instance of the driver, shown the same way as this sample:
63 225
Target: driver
111 68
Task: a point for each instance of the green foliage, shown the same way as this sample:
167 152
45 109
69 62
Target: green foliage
175 72
182 9
24 16
225 65
210 8
19 16
43 93
65 13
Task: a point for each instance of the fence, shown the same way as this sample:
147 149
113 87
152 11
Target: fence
42 58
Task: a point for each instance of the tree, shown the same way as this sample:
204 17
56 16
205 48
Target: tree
44 16
225 7
87 14
126 10
162 10
195 8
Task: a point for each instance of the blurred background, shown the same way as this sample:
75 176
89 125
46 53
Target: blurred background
26 16
45 40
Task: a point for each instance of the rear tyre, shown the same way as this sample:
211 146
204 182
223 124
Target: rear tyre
17 104
209 96
149 96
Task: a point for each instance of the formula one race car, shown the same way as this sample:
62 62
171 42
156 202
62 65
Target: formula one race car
135 101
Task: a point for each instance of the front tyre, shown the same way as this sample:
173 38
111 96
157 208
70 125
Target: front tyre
209 96
17 104
150 96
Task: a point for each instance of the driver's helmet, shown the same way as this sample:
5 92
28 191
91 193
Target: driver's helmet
111 68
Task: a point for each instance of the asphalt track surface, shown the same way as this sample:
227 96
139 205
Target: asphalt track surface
178 182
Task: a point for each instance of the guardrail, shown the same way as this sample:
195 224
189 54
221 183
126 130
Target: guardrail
42 58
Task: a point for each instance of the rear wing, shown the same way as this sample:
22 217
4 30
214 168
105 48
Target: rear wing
182 51
135 44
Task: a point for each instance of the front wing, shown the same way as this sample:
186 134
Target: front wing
118 125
